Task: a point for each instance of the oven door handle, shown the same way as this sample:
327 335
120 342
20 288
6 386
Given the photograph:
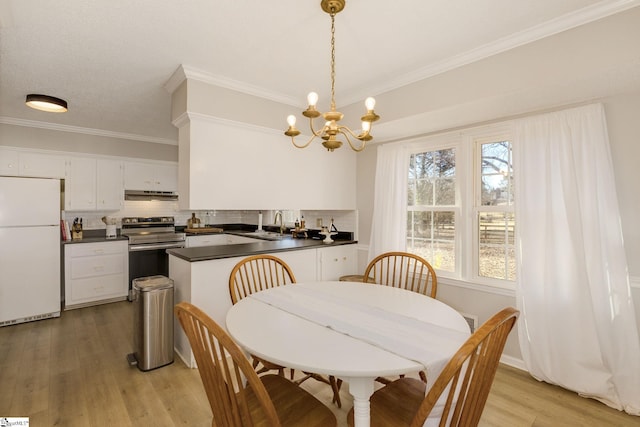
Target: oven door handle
138 248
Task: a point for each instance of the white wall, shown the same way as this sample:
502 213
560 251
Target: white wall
589 62
57 140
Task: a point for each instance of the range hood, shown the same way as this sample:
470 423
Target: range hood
149 195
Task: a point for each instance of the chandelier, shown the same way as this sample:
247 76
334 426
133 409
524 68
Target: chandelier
331 129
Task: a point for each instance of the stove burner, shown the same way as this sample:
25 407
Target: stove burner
151 230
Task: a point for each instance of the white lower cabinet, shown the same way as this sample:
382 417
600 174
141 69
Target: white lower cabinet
95 273
336 261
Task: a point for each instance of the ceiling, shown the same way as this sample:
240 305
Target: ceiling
111 59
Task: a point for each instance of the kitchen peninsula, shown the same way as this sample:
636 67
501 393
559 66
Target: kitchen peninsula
201 274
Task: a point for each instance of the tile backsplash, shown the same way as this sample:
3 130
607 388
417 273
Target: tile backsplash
343 220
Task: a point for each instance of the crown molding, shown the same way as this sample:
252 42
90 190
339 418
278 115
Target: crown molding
175 80
187 117
563 23
83 130
185 72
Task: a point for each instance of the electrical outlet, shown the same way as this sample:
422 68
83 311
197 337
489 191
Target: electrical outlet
319 222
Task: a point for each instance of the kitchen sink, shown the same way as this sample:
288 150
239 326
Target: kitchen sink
267 235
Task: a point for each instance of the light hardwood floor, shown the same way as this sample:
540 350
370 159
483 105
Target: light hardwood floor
72 371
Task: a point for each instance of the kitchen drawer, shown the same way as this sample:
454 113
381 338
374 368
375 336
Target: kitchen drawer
97 266
95 273
97 288
93 249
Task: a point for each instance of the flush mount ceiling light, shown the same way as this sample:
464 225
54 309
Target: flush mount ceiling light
331 128
46 103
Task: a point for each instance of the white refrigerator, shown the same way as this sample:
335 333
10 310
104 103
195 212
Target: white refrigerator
29 249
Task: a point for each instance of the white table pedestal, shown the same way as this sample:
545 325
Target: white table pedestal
361 388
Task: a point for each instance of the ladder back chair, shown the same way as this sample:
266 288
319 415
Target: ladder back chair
403 270
458 396
257 273
237 395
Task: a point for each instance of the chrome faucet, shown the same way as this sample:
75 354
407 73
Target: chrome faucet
278 216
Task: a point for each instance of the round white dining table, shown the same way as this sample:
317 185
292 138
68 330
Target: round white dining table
288 338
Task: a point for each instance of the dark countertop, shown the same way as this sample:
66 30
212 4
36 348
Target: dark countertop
94 236
206 253
242 230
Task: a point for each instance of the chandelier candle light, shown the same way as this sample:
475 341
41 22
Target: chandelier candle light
331 128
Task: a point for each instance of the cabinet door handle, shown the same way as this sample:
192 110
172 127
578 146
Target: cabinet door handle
98 251
98 268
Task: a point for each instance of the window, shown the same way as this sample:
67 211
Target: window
495 211
460 213
432 207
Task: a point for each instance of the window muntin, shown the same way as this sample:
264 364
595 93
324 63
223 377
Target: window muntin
496 174
496 251
461 205
431 231
495 233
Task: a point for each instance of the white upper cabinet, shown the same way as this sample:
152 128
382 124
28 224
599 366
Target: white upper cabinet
93 184
9 162
42 165
150 176
39 165
80 185
109 184
166 177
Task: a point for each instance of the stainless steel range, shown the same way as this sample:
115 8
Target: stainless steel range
149 238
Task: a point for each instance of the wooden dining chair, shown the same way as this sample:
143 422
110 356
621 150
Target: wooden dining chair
458 396
402 270
257 273
236 394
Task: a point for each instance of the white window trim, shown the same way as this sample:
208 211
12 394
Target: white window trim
437 143
465 142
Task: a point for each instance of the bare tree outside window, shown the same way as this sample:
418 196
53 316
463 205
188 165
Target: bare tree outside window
496 220
431 202
460 205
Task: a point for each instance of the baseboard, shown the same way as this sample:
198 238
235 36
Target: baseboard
187 361
513 362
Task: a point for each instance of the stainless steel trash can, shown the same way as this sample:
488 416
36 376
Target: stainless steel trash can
153 322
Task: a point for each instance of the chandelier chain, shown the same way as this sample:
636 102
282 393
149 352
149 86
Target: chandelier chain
332 132
333 61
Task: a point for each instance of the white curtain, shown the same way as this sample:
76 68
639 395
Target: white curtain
577 327
389 222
